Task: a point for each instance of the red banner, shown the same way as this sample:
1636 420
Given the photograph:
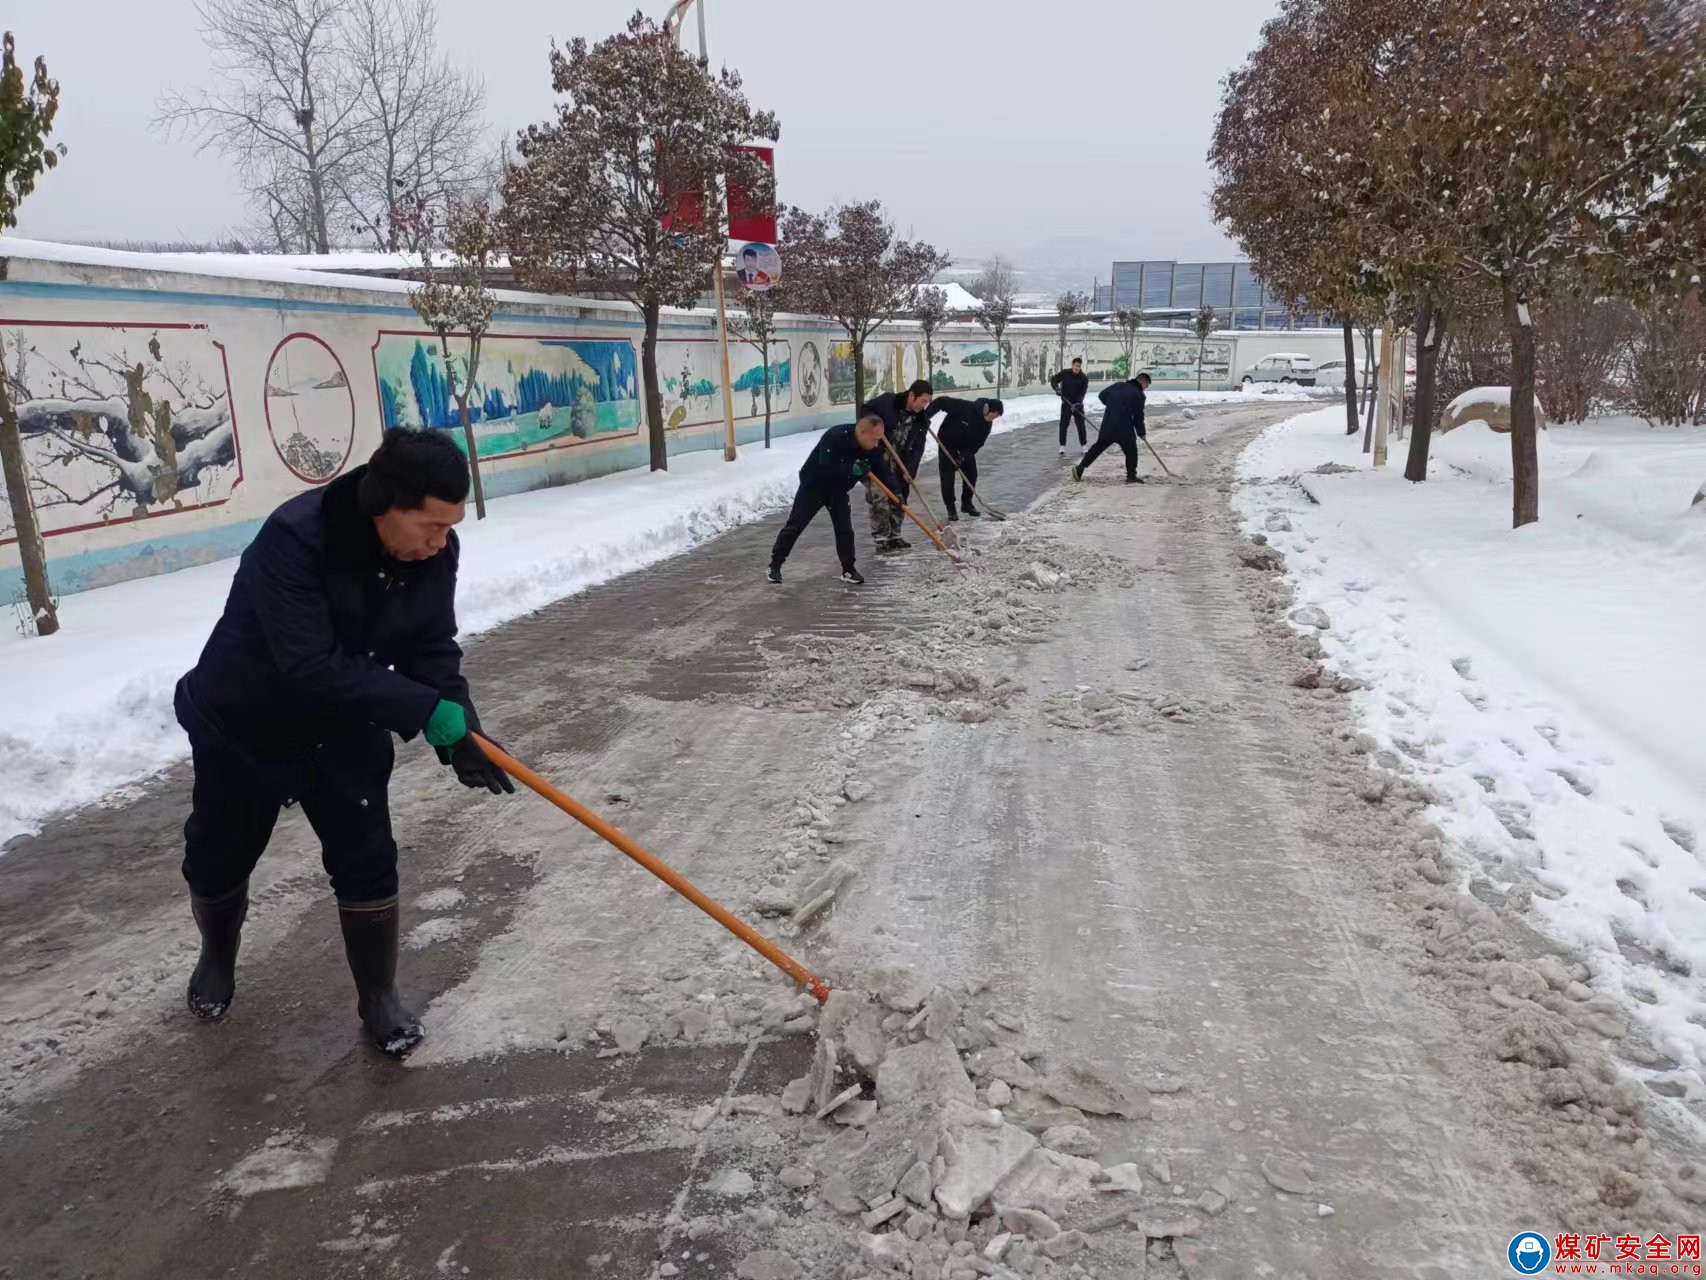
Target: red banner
748 222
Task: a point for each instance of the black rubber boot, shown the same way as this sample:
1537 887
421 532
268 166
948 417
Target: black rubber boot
214 981
370 942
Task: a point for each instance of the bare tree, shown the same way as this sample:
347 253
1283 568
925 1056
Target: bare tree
281 104
1128 321
931 314
755 325
453 298
1203 323
996 287
1582 337
26 118
1667 362
421 120
1068 307
619 191
847 264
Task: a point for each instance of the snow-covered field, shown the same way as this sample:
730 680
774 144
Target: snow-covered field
1547 682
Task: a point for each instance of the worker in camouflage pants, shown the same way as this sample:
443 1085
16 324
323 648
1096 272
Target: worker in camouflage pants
903 415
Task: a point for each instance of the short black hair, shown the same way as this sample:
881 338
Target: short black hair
409 467
1077 359
995 405
749 253
1144 378
921 388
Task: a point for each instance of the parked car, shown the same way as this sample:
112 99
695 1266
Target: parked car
1283 366
1330 373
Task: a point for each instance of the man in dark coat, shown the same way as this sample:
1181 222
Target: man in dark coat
1071 385
844 457
1122 424
903 415
339 631
965 429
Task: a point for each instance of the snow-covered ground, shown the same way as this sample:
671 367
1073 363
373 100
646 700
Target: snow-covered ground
1547 682
89 711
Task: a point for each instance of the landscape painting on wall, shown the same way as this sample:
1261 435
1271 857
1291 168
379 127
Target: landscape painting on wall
1176 361
119 423
309 407
965 366
530 393
690 378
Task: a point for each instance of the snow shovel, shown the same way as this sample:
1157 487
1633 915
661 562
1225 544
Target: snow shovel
1157 458
674 879
928 532
994 513
912 481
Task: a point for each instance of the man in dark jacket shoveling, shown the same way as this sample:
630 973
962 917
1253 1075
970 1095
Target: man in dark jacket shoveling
340 630
1071 385
965 429
903 414
1122 424
845 456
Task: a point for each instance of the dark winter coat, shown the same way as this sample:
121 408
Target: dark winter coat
905 431
1071 386
1124 401
828 469
323 634
964 429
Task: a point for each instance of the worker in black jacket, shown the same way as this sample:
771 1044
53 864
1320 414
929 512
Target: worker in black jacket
1122 424
339 631
965 428
844 456
903 416
1071 385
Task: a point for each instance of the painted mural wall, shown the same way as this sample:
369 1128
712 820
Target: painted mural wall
166 412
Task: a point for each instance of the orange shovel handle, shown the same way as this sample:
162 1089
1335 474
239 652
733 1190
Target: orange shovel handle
674 879
928 531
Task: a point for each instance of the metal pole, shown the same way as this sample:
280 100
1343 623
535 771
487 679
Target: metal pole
729 452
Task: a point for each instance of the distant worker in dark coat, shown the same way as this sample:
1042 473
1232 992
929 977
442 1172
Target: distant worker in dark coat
844 457
965 429
903 415
1071 385
340 631
1122 424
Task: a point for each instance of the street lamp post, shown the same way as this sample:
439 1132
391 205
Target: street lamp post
672 23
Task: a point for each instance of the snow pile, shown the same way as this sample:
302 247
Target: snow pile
1542 683
90 709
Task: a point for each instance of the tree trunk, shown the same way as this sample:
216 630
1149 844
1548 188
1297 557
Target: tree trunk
316 189
654 397
1202 346
473 458
1350 379
1000 350
764 354
32 556
1430 328
858 375
1373 384
1525 453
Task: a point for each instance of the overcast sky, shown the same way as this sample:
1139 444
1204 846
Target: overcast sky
1063 136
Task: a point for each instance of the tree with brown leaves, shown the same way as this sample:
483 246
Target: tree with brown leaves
931 314
619 194
27 109
848 265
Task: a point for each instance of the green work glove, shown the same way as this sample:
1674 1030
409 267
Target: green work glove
447 725
859 469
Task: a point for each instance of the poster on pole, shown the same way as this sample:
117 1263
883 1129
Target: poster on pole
753 219
760 267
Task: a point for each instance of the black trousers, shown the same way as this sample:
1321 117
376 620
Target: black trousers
1127 441
968 468
233 818
1070 412
807 504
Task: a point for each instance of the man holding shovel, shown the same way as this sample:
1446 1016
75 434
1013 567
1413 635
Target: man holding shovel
1071 385
844 456
1122 424
903 416
965 429
340 630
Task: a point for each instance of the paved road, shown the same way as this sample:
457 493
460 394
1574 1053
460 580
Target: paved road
1168 892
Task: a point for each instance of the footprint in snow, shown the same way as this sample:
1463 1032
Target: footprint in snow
1464 667
1681 834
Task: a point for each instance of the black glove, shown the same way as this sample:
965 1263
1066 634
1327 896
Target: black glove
473 768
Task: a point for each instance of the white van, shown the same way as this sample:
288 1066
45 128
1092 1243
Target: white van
1283 366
